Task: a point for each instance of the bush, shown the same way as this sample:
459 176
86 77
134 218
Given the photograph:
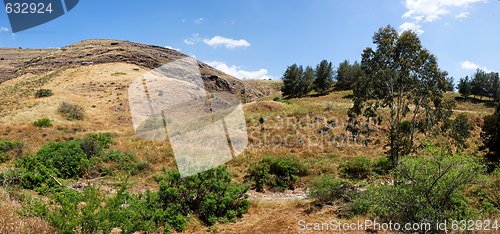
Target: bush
125 161
281 173
4 157
328 190
357 168
382 166
9 146
42 123
43 93
71 111
428 189
210 195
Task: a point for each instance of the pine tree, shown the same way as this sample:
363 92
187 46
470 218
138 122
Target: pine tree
324 77
292 81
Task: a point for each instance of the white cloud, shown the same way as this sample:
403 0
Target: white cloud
411 26
199 21
462 15
236 71
227 42
195 38
468 65
427 11
431 10
3 29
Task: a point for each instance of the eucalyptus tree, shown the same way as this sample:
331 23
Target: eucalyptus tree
403 85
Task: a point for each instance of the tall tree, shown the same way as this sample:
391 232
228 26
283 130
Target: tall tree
292 81
324 77
306 82
403 84
347 75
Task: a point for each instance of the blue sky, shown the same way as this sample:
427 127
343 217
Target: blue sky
259 38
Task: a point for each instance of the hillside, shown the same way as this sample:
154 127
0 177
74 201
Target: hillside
96 74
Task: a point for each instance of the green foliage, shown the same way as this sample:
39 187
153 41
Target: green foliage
125 162
6 146
426 189
324 77
357 168
347 75
71 111
280 172
465 87
43 93
4 157
210 195
459 130
291 80
487 194
43 123
398 74
328 190
382 166
103 139
491 137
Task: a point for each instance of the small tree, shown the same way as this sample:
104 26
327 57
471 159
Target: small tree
459 131
324 77
465 87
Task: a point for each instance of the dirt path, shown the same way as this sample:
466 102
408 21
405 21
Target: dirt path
288 195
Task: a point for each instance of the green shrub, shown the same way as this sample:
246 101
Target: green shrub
487 194
9 146
4 157
382 166
356 168
43 93
281 173
55 160
43 123
104 139
328 190
427 189
210 195
6 146
71 111
125 161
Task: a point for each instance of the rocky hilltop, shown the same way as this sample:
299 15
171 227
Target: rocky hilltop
17 62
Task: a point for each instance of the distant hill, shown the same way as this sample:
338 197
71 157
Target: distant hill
18 62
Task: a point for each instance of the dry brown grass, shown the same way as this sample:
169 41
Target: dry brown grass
12 223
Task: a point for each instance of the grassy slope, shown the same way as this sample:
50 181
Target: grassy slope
275 128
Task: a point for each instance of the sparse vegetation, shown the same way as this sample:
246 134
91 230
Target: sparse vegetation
71 111
276 172
328 190
357 168
430 188
41 93
43 123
